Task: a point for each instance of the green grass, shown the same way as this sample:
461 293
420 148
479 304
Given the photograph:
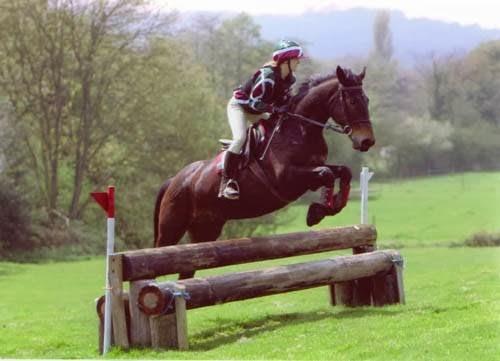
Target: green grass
452 313
427 211
452 310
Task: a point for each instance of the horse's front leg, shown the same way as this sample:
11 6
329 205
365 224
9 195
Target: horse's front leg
331 203
339 200
311 177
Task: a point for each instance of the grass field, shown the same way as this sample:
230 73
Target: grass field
452 310
427 211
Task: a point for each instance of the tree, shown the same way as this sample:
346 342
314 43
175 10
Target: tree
231 49
443 85
67 69
382 36
481 79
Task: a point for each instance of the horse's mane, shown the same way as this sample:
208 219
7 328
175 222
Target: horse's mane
317 79
310 83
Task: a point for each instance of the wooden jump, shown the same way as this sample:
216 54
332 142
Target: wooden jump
153 314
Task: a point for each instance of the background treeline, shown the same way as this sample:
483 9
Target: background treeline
110 91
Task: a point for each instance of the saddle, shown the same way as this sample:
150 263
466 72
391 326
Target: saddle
255 142
258 135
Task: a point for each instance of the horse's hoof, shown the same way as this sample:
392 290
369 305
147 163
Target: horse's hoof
315 214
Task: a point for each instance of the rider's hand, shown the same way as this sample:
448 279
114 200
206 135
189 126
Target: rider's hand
281 109
268 108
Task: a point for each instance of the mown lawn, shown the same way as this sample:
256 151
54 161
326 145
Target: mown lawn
452 313
426 211
452 310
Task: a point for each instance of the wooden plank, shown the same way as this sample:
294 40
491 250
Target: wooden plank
344 293
385 288
154 262
362 288
163 331
140 331
362 292
353 293
357 292
181 318
388 287
243 285
169 331
398 268
117 306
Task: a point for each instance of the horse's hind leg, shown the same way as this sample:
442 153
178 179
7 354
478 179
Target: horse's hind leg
204 231
159 198
173 219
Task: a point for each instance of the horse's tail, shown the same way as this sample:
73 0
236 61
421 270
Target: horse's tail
159 197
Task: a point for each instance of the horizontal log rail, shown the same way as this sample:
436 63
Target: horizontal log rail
153 262
155 298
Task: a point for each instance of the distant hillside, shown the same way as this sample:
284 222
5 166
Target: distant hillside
338 33
335 33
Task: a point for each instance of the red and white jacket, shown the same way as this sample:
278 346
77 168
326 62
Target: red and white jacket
264 90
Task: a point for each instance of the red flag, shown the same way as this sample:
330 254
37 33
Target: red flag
106 200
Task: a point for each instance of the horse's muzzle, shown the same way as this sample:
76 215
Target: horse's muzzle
363 145
367 144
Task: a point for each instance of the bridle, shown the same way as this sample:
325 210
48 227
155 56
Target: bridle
339 94
332 102
343 129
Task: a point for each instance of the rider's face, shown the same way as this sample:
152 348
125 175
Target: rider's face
294 63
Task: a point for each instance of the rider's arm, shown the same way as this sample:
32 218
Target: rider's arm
262 91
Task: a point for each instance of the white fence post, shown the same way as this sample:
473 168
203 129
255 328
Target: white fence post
364 178
107 201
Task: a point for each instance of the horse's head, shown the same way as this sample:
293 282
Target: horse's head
348 106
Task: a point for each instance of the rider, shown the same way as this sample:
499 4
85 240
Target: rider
267 91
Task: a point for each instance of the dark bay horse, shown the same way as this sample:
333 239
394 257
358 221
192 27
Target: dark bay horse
293 164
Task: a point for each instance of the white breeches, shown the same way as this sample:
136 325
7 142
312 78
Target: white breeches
238 120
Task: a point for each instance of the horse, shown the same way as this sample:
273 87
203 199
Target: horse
292 163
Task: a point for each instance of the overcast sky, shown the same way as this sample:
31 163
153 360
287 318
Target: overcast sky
484 13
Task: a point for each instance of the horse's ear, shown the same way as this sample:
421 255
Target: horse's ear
363 73
341 75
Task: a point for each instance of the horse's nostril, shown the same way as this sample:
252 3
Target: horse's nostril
367 143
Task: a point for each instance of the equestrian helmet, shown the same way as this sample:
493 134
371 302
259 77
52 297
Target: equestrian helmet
287 49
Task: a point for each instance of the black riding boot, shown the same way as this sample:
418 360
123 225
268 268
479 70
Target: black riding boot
229 186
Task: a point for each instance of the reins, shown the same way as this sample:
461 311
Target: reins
346 129
331 126
342 129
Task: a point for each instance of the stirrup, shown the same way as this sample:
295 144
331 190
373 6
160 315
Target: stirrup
231 190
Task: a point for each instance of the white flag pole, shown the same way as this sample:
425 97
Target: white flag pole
364 178
107 202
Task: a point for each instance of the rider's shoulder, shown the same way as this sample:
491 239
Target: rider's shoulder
267 72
